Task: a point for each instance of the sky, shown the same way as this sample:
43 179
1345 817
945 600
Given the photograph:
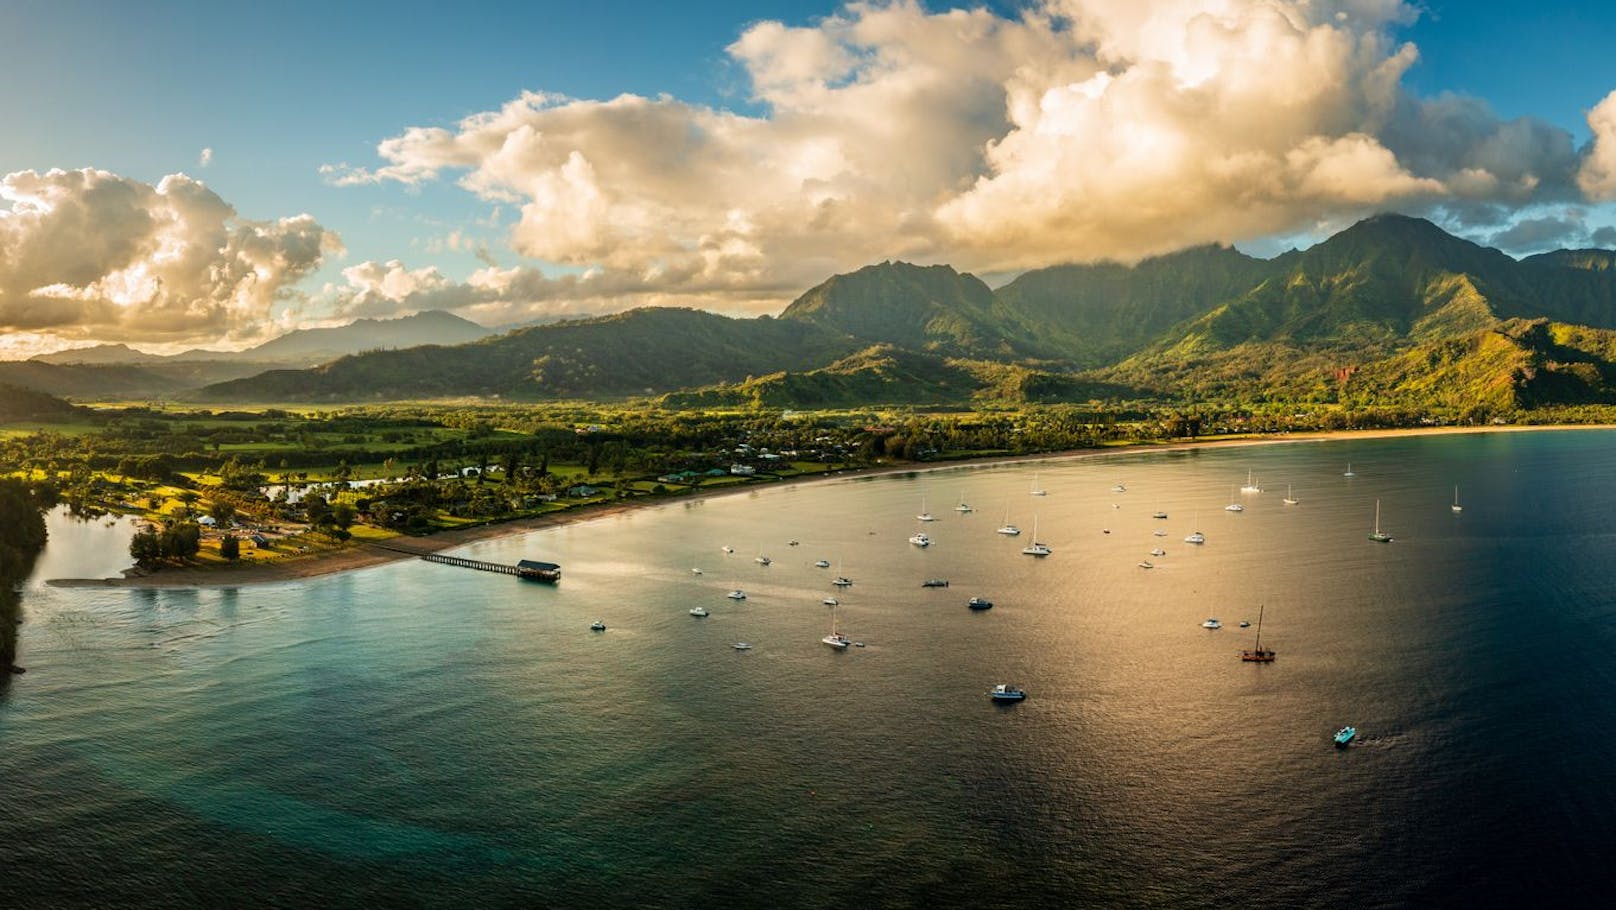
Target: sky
179 174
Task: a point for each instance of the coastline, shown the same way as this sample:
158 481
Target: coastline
367 555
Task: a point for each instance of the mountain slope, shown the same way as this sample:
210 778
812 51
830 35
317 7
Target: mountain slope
1089 315
642 351
927 308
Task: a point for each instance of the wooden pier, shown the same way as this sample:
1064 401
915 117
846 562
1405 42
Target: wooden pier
529 569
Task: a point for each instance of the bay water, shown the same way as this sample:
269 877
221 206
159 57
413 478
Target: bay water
420 735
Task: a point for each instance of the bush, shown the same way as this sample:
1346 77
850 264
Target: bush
230 548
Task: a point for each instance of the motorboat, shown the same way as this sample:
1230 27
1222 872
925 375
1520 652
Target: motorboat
695 571
1007 692
830 602
979 603
1344 736
822 564
1118 488
698 611
736 594
598 626
934 583
1196 537
1146 564
920 539
841 581
741 646
1159 532
1158 551
1159 515
1212 624
763 560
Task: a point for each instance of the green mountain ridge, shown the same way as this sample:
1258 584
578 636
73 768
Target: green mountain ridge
1391 309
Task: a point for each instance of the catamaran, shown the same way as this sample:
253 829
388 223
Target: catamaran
1377 535
1251 484
1035 548
920 539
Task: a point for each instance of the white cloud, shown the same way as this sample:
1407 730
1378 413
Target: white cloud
206 158
1598 175
1084 129
90 254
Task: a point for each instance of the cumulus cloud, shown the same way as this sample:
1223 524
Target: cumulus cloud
91 254
1081 130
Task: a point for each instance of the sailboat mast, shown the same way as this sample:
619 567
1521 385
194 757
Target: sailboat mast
1260 609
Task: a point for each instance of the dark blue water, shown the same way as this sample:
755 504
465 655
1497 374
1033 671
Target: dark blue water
420 735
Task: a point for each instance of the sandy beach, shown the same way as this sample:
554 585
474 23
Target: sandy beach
365 555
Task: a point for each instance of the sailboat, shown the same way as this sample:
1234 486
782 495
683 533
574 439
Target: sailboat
1251 484
1233 506
841 581
1258 654
1036 489
962 508
1196 536
1008 529
1456 508
1290 498
1377 535
836 639
1035 548
1349 471
924 515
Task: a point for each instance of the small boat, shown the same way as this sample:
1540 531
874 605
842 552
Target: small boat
727 549
1007 692
822 564
792 543
934 583
598 626
1349 471
1158 551
979 603
695 571
830 601
1258 654
741 646
841 581
1146 564
1290 499
920 539
1212 624
962 508
1251 484
1233 506
1035 548
1196 537
1118 488
1245 623
1159 532
698 611
1344 736
736 594
1377 535
1456 508
1159 514
924 515
1036 489
763 560
836 639
1105 530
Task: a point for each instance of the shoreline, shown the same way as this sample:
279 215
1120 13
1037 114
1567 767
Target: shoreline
368 555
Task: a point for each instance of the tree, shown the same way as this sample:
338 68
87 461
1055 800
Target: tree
230 548
343 515
222 511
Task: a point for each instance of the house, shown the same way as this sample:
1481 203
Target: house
259 541
207 521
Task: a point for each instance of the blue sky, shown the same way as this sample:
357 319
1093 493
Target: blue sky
277 91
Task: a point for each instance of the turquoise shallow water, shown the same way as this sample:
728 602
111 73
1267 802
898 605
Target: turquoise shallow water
420 735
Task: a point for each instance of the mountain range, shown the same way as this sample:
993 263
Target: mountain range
1393 310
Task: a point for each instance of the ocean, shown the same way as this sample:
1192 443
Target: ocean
420 735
